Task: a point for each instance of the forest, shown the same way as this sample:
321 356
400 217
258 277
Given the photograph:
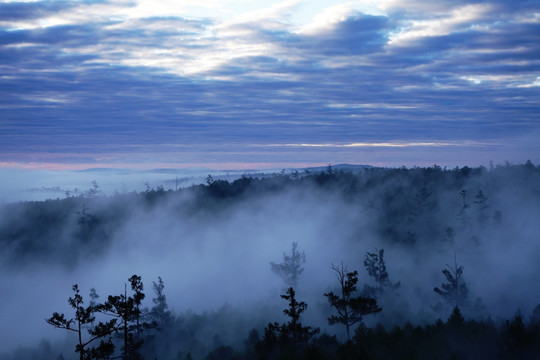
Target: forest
342 263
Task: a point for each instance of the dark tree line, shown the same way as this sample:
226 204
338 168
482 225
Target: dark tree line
455 338
124 325
408 206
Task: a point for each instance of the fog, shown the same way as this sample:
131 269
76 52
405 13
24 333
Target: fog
220 255
19 184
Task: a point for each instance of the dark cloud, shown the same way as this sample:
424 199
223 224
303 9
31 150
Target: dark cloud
358 34
37 9
33 10
127 85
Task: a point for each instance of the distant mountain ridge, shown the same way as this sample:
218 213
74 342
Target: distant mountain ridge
340 167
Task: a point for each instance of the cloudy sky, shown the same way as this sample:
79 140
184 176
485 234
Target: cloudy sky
248 83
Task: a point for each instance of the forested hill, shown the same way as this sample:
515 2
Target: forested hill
405 206
428 262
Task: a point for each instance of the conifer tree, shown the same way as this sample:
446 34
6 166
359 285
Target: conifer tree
454 291
84 319
294 328
159 313
87 223
350 309
463 214
290 337
291 267
376 268
127 310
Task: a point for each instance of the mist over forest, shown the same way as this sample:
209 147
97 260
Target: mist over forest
216 249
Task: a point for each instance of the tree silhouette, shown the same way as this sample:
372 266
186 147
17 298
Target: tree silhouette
350 309
290 337
127 309
93 191
159 312
456 319
376 268
87 223
454 291
463 214
294 328
83 320
291 267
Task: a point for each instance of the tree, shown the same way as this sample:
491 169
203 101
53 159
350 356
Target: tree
456 319
294 328
87 223
159 312
481 202
463 215
424 204
350 309
138 296
454 291
291 336
93 191
291 268
127 310
376 268
83 320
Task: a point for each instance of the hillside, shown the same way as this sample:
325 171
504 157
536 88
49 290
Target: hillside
213 245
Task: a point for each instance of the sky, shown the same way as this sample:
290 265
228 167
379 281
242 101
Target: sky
266 84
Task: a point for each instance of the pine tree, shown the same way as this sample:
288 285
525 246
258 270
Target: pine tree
84 320
291 268
294 328
376 268
454 291
289 338
159 313
350 309
463 215
127 310
87 223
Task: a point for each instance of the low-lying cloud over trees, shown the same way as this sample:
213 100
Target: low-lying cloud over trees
209 251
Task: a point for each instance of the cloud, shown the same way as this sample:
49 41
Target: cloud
103 76
456 20
12 11
399 144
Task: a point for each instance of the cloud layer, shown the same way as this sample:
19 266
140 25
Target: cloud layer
106 81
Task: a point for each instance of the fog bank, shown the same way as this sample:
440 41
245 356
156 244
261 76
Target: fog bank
212 248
